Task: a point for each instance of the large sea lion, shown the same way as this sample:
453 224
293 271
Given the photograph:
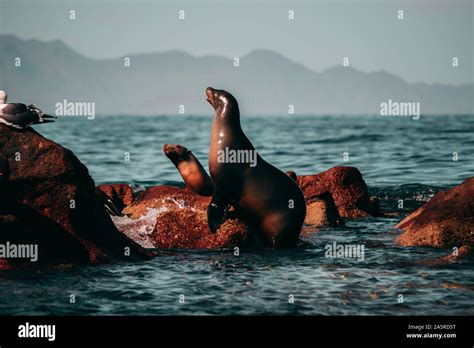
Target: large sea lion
191 170
266 199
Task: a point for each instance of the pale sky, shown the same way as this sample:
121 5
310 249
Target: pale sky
419 48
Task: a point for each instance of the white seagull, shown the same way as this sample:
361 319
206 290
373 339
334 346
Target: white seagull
20 116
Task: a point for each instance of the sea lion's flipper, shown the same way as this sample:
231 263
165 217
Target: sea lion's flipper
215 216
218 209
191 170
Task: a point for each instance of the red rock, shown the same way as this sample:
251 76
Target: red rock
188 229
183 224
166 196
446 221
51 194
322 212
29 227
338 191
347 188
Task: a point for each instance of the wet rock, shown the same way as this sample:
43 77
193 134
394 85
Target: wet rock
170 197
188 229
177 218
182 221
445 221
52 197
322 212
26 227
346 187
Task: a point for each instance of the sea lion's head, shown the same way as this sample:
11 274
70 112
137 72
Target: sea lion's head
222 101
176 153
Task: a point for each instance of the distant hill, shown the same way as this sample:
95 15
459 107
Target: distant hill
157 83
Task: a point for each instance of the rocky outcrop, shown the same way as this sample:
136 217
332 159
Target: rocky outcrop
172 217
48 200
346 187
188 229
340 191
446 221
179 221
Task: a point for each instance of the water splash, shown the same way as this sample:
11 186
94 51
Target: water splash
139 229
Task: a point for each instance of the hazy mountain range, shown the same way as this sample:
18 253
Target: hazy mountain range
158 83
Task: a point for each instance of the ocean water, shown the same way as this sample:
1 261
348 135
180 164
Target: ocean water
400 158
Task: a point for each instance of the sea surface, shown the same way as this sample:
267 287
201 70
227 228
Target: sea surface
400 159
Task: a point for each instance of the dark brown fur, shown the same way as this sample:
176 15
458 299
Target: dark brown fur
269 201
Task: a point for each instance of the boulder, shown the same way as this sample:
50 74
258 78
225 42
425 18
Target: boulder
322 212
188 229
170 217
169 197
446 221
50 194
346 187
180 214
